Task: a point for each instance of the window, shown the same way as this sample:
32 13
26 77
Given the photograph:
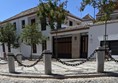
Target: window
23 24
43 24
14 24
33 21
111 45
34 48
44 45
70 23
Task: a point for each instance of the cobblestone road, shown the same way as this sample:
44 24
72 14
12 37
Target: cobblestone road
58 68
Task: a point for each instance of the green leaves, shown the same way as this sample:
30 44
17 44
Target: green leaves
106 7
31 35
53 10
7 33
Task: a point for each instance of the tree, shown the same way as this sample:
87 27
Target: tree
54 11
31 36
106 7
8 35
54 14
2 42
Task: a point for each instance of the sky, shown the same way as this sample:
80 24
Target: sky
9 8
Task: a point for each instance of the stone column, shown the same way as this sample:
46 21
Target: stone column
100 55
19 58
47 62
11 64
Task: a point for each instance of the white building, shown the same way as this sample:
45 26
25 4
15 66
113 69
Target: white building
78 38
30 16
97 33
96 36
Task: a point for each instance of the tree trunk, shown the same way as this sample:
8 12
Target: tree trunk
58 25
4 52
9 47
31 53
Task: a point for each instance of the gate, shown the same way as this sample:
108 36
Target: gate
63 47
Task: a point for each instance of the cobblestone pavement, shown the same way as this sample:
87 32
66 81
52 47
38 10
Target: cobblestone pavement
4 79
60 69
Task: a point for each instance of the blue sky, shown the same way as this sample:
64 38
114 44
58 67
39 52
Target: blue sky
10 8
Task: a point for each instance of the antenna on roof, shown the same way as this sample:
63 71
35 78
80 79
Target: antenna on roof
81 14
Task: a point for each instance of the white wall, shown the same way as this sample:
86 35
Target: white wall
25 49
96 33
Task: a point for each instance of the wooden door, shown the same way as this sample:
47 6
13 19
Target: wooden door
84 46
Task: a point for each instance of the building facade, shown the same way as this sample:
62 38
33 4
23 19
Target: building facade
68 37
77 38
97 33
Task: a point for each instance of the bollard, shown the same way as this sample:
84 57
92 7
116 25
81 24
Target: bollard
47 62
100 59
11 64
19 58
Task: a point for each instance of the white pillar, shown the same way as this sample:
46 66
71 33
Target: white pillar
47 62
100 56
11 64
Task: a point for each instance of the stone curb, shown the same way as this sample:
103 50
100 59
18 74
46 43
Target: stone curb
58 76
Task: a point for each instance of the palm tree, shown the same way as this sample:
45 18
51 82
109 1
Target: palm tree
31 36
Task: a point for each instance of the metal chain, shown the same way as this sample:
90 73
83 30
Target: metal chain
31 64
110 56
76 64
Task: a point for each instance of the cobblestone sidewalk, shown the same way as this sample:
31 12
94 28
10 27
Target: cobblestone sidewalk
60 70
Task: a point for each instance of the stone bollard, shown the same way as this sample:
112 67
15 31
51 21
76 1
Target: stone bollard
100 59
47 62
11 64
19 58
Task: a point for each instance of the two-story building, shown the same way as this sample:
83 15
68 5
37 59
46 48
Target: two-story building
71 41
77 38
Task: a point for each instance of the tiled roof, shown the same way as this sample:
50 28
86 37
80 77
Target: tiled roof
99 13
24 13
88 17
103 22
73 28
29 12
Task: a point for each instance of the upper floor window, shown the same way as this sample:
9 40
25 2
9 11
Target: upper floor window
70 23
43 24
33 21
23 24
14 24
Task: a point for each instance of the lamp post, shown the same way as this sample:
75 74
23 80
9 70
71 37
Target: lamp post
105 35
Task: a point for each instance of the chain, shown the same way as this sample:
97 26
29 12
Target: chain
31 64
110 56
76 64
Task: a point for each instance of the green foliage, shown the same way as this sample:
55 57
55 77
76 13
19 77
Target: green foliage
106 7
31 35
8 35
53 10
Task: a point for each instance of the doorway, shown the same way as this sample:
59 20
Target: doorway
63 47
84 46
